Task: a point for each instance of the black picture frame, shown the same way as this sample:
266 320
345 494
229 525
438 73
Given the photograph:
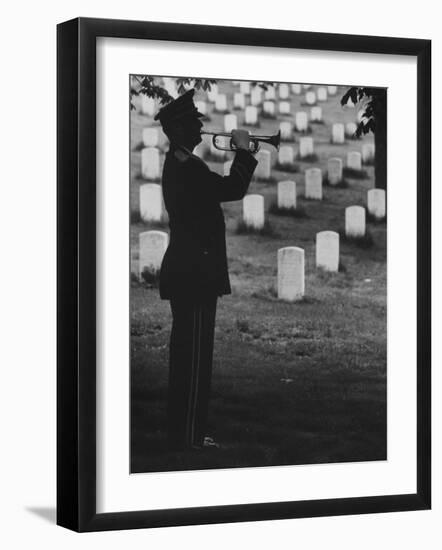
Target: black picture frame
76 272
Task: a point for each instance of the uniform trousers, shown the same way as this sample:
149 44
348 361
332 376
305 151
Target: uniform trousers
190 370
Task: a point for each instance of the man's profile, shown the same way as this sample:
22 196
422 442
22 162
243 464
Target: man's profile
194 272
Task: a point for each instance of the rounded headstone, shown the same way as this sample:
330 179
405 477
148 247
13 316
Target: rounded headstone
263 168
376 203
153 245
239 100
201 106
244 88
286 155
316 114
256 96
305 146
313 183
290 273
327 250
269 107
284 91
251 115
286 130
150 163
150 137
321 94
338 133
253 211
287 194
230 123
269 94
310 98
332 90
301 121
334 170
296 89
221 103
151 202
355 221
368 152
284 107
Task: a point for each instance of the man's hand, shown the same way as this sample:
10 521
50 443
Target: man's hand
241 139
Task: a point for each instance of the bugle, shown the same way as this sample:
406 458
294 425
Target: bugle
254 143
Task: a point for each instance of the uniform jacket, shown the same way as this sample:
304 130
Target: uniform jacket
195 262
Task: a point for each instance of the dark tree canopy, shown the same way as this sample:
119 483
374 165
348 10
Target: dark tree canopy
374 119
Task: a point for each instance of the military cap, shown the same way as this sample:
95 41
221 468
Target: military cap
180 107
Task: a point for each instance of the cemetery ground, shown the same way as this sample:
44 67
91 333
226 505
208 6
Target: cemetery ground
293 383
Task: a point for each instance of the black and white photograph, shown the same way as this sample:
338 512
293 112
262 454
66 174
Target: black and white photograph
258 273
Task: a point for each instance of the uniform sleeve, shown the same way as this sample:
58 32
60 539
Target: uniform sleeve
234 186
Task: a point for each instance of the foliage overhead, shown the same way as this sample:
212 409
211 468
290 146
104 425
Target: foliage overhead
373 107
149 86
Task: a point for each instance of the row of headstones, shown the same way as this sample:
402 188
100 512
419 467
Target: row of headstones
256 95
291 265
254 208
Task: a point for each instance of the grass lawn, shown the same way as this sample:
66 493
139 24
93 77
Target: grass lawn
293 383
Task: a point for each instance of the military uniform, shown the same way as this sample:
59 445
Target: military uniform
193 275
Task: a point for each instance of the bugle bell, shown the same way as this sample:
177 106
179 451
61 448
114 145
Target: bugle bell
254 143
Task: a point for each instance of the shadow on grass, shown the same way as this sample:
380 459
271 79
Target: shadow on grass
364 241
287 167
342 184
294 212
266 231
355 174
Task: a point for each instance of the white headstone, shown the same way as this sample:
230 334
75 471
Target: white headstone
253 211
334 170
350 129
263 168
350 104
147 105
332 90
150 137
368 152
338 133
296 88
354 160
239 100
150 163
327 250
244 88
226 167
251 115
286 155
151 202
310 98
321 94
284 91
316 114
284 107
201 106
306 86
290 273
153 245
256 95
212 93
376 203
286 130
269 94
313 183
269 107
305 146
221 103
230 123
301 121
286 194
355 221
